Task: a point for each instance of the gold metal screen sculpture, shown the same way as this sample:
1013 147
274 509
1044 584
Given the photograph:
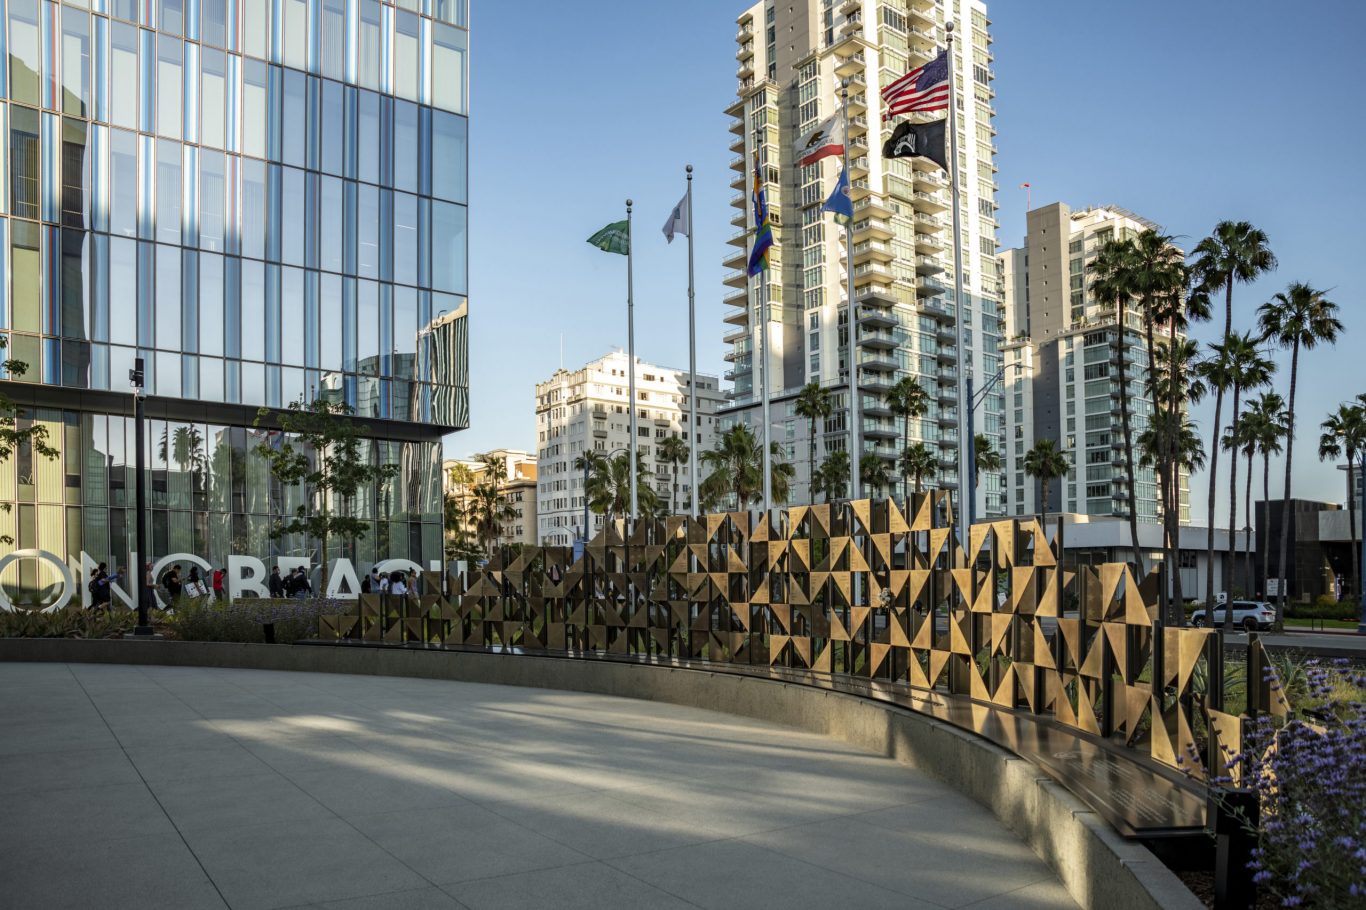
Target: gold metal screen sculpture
855 588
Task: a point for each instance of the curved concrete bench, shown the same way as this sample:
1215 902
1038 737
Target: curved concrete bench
1098 867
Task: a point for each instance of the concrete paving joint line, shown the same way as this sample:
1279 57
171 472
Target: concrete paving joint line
1099 869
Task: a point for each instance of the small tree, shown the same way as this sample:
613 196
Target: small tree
12 437
675 451
917 463
873 473
832 476
1046 462
320 447
813 403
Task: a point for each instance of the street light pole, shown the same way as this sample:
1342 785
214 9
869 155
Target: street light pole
1361 527
139 554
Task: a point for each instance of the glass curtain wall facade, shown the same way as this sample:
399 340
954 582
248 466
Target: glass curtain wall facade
264 199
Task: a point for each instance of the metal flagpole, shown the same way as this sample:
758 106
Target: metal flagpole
855 445
964 468
630 357
692 367
763 376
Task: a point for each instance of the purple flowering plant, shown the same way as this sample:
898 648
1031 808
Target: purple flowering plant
1309 774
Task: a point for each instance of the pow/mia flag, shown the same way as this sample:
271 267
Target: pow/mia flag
918 140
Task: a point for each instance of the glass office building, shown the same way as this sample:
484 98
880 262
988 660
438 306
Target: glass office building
264 199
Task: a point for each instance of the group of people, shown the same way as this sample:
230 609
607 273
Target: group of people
389 583
295 584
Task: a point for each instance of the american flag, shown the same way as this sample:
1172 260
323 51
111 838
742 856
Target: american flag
925 88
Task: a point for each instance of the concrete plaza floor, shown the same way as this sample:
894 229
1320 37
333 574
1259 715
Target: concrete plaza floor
184 788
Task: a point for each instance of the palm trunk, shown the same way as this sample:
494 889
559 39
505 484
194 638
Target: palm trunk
1232 509
1247 528
1214 455
1352 526
1162 464
1043 482
906 444
1128 442
1266 519
811 465
1173 520
1285 500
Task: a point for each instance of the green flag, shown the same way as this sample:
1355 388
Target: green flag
615 238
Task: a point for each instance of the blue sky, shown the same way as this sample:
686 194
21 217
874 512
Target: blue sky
1187 113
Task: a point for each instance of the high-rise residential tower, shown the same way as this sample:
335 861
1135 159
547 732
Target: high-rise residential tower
587 410
795 57
1061 379
264 200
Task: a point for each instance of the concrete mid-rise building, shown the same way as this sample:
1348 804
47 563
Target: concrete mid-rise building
1061 374
588 410
794 57
517 489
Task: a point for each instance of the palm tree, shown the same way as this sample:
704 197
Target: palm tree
1216 371
1265 421
917 461
1236 251
1246 444
1299 317
833 475
737 469
1156 275
813 403
907 399
609 484
1345 432
1113 268
1178 384
1251 369
873 473
1046 461
1171 436
674 451
985 456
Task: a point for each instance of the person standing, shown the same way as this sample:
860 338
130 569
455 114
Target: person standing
147 595
302 586
276 584
219 576
172 581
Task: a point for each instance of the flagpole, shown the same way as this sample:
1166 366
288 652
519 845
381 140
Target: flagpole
855 446
631 358
692 366
964 468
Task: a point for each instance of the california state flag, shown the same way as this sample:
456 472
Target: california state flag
826 139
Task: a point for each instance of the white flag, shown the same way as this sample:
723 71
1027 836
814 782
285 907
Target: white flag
678 221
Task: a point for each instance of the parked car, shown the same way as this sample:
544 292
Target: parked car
1250 615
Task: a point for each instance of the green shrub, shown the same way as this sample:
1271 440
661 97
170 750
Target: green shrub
69 622
243 620
1324 608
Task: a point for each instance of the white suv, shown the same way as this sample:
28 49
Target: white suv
1250 615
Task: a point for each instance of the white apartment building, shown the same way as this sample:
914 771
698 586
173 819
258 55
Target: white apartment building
1061 377
793 58
587 410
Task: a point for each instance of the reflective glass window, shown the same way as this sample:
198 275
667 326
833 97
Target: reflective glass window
213 17
253 208
367 327
210 304
25 155
26 282
255 19
367 137
448 67
448 247
407 55
123 291
295 117
75 286
331 224
123 75
333 39
405 146
25 50
212 189
211 379
292 342
168 186
293 216
367 231
370 45
171 17
255 106
170 85
168 385
168 305
405 325
123 180
295 33
405 238
125 9
253 313
213 87
75 62
333 122
330 322
452 11
449 156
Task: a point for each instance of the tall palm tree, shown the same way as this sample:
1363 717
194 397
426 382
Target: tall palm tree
907 399
488 509
1156 274
1250 369
1216 371
1171 436
1245 443
1235 252
873 473
813 403
1345 432
833 474
1112 285
737 469
917 462
1046 462
1178 384
1267 418
1299 317
985 456
609 484
674 451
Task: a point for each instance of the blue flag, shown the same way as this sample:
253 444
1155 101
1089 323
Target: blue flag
840 202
